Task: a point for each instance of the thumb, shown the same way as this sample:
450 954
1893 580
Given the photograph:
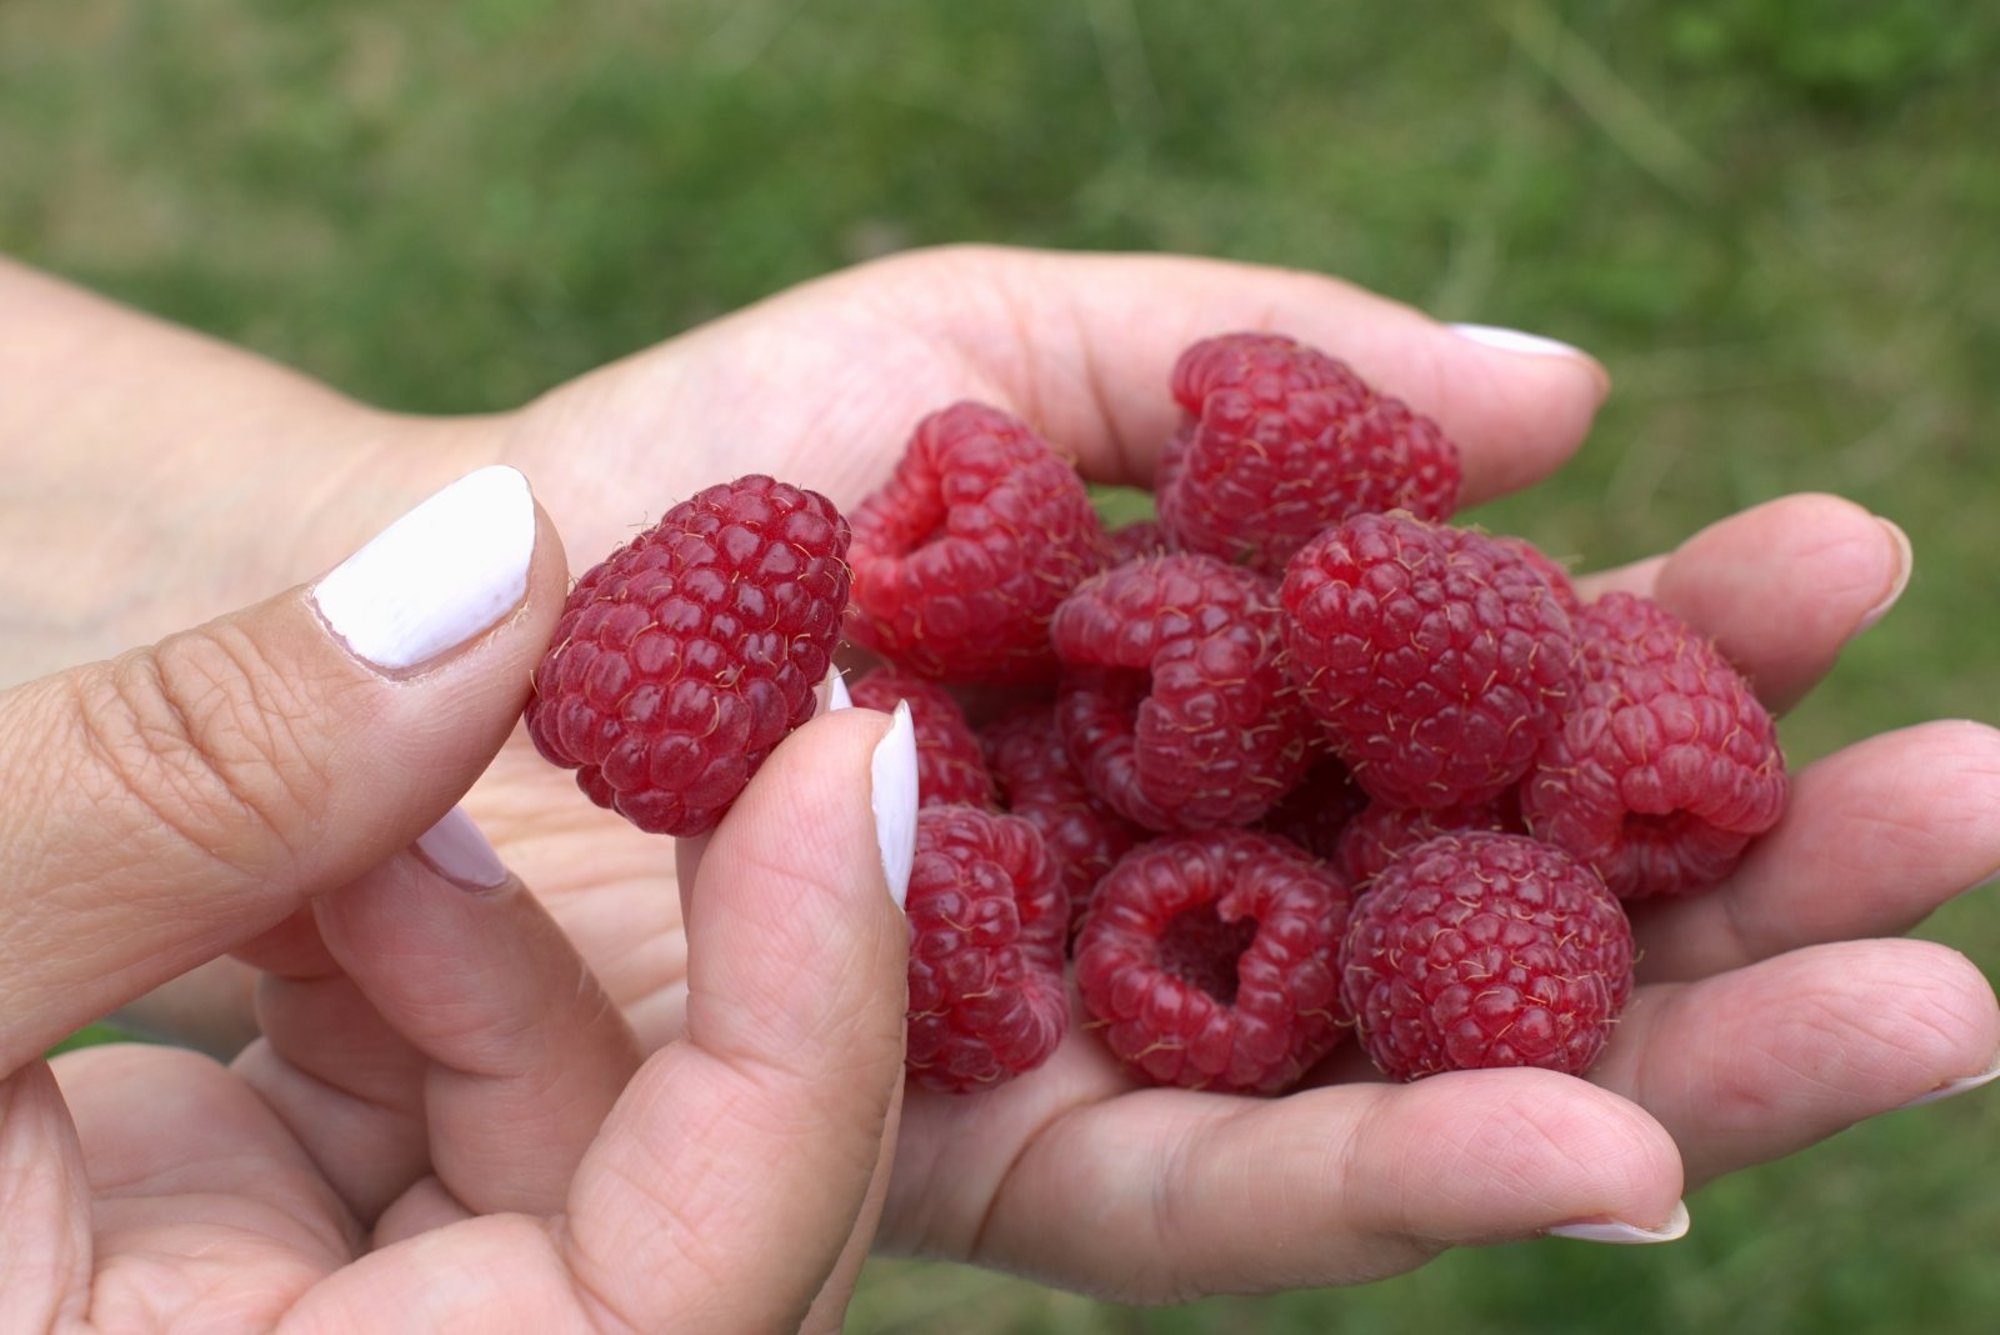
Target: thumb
177 800
737 1164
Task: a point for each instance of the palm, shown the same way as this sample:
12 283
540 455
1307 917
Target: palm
1764 1023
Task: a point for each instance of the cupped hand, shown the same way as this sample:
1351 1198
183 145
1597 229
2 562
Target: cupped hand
1774 1011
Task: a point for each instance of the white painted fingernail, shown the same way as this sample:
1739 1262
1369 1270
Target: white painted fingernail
1954 1087
443 573
457 851
1611 1230
893 797
1513 340
1905 559
831 693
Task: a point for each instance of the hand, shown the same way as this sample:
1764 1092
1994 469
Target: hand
446 1122
1768 1016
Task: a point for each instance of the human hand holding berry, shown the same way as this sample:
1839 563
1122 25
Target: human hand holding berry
1075 1175
446 1122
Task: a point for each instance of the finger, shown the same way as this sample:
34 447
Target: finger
1103 332
1874 838
202 1202
1167 1195
1781 586
169 804
523 1053
1755 1064
1107 330
45 1199
755 1138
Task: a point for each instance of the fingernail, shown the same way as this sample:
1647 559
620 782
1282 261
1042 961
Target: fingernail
1960 1086
438 576
456 850
1904 561
1613 1231
1513 340
893 797
831 693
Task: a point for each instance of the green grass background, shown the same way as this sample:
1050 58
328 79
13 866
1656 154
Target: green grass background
1775 221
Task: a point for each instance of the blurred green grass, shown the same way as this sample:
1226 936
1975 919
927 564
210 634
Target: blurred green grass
1774 220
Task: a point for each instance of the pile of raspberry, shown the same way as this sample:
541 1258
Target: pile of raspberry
1296 759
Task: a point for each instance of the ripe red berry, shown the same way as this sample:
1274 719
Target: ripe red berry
1485 950
1438 659
1207 960
1281 440
684 657
961 558
1038 782
951 764
1666 765
988 923
1314 814
1381 832
1175 702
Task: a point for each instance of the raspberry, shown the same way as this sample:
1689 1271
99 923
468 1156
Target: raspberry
1550 569
1381 832
1207 960
1024 749
988 922
684 657
1280 440
1437 658
1174 701
1131 541
951 764
1313 814
1484 950
961 558
1666 766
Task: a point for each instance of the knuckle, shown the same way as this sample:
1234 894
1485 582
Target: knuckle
199 736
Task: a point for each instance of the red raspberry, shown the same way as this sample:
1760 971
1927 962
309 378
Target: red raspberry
684 657
1666 766
1207 960
1314 813
988 922
1438 659
1550 569
1280 441
1485 950
1131 541
1025 751
961 558
1174 701
1381 832
951 764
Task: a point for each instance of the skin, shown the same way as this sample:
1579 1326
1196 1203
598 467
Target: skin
1773 1011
